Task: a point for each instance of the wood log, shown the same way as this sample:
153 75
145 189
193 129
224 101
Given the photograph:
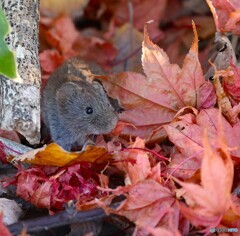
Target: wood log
20 102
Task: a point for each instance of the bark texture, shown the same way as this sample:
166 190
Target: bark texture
20 103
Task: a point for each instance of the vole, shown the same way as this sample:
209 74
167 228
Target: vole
74 107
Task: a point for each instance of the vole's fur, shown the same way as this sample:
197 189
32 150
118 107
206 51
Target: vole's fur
73 107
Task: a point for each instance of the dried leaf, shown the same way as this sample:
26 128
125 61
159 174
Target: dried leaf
207 95
134 163
51 188
211 202
54 155
179 87
73 7
62 34
226 14
153 101
231 83
147 210
144 108
128 42
142 12
98 50
223 101
189 133
3 229
50 60
161 231
232 217
232 24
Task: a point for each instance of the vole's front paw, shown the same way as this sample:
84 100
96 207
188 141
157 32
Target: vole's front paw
87 143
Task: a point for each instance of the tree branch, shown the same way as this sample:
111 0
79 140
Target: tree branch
68 216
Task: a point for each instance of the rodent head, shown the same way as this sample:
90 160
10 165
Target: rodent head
84 107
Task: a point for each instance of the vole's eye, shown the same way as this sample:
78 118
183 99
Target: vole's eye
89 110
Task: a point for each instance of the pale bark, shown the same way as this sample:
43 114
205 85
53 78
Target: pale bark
20 103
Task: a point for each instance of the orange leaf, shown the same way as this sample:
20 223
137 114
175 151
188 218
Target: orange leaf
179 87
213 197
187 135
134 163
54 155
232 24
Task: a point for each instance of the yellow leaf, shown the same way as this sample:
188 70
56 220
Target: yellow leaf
61 6
54 155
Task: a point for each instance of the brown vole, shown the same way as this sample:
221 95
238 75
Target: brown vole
73 107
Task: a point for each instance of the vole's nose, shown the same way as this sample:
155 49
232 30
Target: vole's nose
119 110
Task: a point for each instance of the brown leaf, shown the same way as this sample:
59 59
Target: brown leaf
128 42
143 11
97 50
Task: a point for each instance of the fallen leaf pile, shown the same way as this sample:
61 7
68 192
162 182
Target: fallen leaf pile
51 188
59 176
176 148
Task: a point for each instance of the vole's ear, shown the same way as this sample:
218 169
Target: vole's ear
67 93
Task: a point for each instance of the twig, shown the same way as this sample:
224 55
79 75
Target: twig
234 42
60 219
